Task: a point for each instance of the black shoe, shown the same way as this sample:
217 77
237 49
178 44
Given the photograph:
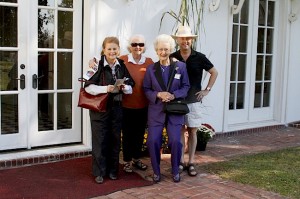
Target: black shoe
139 165
113 176
99 179
191 170
181 167
127 167
156 178
176 178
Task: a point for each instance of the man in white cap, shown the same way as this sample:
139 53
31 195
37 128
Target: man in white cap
196 62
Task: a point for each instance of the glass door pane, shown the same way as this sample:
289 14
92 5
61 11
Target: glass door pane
252 65
38 99
239 56
9 114
55 65
8 70
12 79
9 82
58 67
264 56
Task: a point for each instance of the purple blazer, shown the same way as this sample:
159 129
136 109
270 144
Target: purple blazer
153 83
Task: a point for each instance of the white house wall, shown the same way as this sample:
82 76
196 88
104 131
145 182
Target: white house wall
214 44
123 18
293 80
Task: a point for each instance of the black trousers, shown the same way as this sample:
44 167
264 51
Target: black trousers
134 124
106 141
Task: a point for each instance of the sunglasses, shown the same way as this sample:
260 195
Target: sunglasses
137 44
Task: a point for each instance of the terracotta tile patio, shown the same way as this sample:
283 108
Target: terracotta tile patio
221 148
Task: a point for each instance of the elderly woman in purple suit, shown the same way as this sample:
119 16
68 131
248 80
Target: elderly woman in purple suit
155 86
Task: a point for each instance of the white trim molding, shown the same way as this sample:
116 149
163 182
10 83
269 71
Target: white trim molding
235 9
292 17
214 5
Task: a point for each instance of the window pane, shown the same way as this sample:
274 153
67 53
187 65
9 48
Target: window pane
47 3
242 68
65 3
243 39
9 114
236 17
257 97
9 1
259 68
64 110
232 96
268 68
64 70
8 26
269 47
45 28
260 40
45 110
271 11
233 68
45 71
240 96
267 91
244 13
234 38
65 29
262 12
8 70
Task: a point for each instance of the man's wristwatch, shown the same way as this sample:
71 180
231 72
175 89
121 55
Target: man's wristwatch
208 89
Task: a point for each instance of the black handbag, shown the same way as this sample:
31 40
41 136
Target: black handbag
176 106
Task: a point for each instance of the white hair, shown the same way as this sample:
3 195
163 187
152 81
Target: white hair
139 36
164 38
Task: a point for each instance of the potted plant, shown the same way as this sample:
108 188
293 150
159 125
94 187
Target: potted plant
204 133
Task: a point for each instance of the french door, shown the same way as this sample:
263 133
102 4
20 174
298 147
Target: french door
253 65
40 56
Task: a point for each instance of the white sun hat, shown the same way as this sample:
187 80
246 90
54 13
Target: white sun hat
184 31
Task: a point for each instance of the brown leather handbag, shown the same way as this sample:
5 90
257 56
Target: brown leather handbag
92 102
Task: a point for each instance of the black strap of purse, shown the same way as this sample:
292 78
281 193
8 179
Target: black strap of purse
171 77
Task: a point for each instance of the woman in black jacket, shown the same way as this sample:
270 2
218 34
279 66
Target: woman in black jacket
106 126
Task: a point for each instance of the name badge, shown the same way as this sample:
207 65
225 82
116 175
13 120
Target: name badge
177 76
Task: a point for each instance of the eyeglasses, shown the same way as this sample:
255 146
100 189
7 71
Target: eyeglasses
137 44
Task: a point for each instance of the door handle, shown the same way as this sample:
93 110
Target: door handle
22 81
35 79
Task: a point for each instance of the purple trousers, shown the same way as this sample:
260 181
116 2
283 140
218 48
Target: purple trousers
154 142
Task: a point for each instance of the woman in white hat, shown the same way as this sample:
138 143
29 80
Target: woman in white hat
196 62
